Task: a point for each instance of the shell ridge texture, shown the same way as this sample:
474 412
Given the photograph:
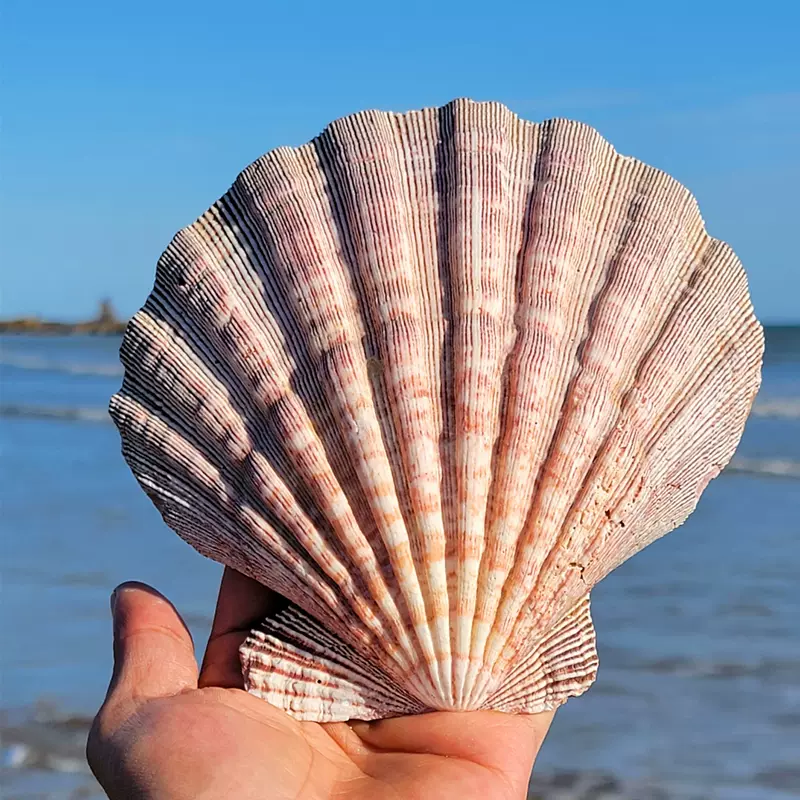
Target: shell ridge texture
322 355
605 284
373 298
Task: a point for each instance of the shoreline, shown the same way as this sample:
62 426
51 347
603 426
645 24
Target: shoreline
49 328
106 323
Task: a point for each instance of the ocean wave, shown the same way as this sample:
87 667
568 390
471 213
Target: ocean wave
773 467
769 467
778 407
39 364
770 670
41 738
58 413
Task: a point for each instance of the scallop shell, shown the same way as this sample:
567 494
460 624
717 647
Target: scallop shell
431 377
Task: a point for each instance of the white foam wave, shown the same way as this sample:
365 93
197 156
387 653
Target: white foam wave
779 407
63 413
771 467
39 364
775 407
774 467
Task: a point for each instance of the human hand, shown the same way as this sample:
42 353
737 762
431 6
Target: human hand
167 732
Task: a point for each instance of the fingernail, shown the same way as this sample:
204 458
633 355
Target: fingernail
123 587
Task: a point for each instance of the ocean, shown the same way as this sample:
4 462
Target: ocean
698 694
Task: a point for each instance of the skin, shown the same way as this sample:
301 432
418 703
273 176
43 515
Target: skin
167 731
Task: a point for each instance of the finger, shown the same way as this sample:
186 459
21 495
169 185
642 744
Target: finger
508 743
242 604
153 650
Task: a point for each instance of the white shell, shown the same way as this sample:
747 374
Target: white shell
431 377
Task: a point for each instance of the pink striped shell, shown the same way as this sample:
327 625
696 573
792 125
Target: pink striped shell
431 377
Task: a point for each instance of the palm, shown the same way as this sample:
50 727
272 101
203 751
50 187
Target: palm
241 747
213 740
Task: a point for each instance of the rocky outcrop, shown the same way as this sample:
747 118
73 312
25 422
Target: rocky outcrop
105 323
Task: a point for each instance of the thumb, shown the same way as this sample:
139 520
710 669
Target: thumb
153 649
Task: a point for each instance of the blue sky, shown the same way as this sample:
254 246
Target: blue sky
124 121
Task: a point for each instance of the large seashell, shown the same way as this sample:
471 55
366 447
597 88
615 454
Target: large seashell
431 377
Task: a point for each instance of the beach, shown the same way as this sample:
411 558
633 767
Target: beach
698 693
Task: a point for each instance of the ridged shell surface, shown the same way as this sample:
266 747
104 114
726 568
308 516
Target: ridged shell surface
431 377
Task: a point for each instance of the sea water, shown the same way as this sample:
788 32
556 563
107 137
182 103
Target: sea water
698 693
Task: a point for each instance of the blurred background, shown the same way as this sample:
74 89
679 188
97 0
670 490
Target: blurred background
123 122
